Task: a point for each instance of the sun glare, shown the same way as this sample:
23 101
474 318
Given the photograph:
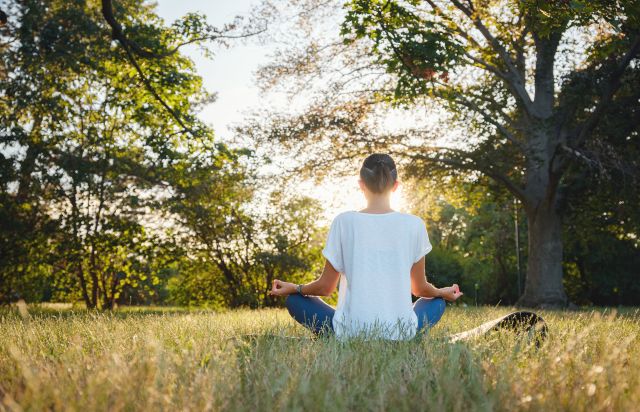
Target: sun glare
341 195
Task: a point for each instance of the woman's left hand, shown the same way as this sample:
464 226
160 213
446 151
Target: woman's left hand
280 288
451 293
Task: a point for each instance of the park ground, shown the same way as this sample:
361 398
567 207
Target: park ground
54 358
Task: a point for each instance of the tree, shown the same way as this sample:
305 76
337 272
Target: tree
602 226
233 248
528 85
472 231
87 143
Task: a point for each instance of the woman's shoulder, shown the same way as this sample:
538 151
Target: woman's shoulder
340 217
401 216
346 215
414 219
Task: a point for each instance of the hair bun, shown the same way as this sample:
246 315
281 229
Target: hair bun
378 172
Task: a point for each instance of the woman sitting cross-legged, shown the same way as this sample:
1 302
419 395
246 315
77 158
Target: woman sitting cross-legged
377 256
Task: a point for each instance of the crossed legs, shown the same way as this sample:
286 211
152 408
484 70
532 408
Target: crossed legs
316 315
312 312
429 311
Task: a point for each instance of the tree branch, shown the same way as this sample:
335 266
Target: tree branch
483 64
513 79
468 165
544 94
503 130
609 89
154 55
480 62
117 34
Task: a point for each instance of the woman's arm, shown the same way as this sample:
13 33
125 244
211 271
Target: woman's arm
421 288
323 286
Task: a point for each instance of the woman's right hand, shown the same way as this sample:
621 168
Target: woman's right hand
450 293
280 288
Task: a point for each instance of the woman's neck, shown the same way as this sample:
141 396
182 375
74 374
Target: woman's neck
378 204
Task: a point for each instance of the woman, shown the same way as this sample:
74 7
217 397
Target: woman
377 255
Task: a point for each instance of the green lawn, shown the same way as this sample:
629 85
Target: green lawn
164 359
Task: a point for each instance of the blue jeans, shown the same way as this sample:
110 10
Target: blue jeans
316 315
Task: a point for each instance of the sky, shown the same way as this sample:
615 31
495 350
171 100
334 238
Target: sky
231 75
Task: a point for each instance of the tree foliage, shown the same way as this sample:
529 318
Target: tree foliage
110 184
529 89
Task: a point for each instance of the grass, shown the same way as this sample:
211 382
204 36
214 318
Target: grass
163 359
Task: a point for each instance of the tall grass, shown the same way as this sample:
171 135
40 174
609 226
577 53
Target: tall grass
197 360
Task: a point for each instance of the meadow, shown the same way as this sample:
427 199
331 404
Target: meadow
177 359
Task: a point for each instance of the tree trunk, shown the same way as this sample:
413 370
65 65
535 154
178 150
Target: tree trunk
83 287
28 164
543 286
94 287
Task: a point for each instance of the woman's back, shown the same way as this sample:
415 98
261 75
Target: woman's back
374 254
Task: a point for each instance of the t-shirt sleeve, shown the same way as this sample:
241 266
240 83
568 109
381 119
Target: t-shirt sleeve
333 248
423 245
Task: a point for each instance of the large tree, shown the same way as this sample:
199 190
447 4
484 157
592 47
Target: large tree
90 131
528 86
236 247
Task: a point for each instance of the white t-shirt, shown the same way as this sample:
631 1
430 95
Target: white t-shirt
374 254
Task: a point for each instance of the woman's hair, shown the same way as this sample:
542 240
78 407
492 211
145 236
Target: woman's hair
379 172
